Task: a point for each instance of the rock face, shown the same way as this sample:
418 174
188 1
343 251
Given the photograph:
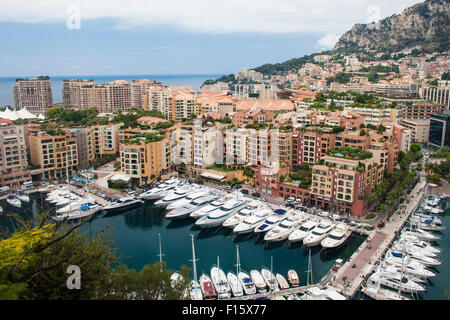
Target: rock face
424 26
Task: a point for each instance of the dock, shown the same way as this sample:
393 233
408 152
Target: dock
350 277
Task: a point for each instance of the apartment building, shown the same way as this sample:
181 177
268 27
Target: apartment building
13 154
85 146
236 146
73 94
309 146
421 110
375 116
138 91
420 129
35 94
143 160
439 95
206 144
105 139
259 147
55 154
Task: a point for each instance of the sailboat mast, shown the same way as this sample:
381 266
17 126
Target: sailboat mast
194 270
160 253
238 263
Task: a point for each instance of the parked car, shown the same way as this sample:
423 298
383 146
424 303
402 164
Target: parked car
256 194
244 191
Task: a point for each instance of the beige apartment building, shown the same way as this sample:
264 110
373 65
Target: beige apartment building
105 139
35 94
138 91
85 147
75 93
54 154
420 129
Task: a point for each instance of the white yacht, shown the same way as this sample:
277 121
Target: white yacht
336 237
427 224
416 255
305 229
123 204
285 228
235 285
220 283
172 196
318 234
377 293
204 211
390 277
194 194
217 217
15 202
159 191
247 283
408 265
433 210
282 282
415 244
314 293
270 279
258 280
271 221
293 278
23 197
59 192
250 222
421 234
81 212
196 204
236 218
76 204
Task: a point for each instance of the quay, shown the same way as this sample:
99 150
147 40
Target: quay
350 277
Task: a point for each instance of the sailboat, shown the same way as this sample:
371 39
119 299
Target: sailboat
14 201
220 282
233 280
244 278
196 291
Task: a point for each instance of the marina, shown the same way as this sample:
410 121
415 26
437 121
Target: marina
284 256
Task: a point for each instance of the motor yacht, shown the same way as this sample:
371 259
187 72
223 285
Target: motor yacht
247 283
75 205
285 228
282 282
196 291
408 265
172 196
336 237
250 222
220 283
204 211
271 221
314 293
13 201
433 210
235 285
217 217
390 277
124 203
427 225
236 218
416 255
423 246
158 192
318 234
258 280
293 278
194 194
270 279
303 231
81 212
207 287
23 197
421 234
196 204
378 293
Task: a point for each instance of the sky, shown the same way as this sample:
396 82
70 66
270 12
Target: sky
112 37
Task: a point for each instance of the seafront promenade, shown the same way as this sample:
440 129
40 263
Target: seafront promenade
358 268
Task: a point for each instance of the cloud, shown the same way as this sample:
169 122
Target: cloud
208 16
328 41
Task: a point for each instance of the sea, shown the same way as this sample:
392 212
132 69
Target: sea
193 80
137 233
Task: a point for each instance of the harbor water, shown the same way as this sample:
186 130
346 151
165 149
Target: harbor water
136 238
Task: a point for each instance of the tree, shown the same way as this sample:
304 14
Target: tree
415 148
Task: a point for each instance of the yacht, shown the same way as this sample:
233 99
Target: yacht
314 293
421 234
123 204
411 244
258 280
81 212
433 210
235 285
172 196
305 229
408 265
159 191
318 234
285 228
186 210
207 287
427 225
60 192
217 217
196 291
74 205
236 218
270 279
250 222
336 237
15 202
416 255
220 283
247 283
188 198
271 221
23 197
216 204
377 293
390 277
293 278
282 282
